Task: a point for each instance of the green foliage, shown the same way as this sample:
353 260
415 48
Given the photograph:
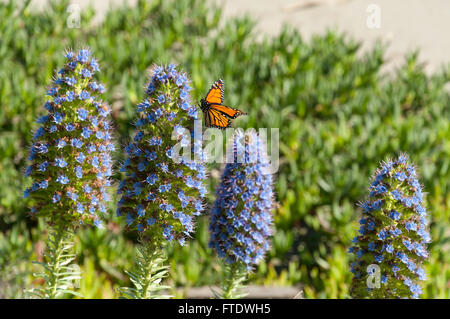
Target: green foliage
338 118
59 271
149 273
15 259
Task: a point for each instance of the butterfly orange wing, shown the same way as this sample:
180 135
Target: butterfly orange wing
227 111
215 94
214 118
216 114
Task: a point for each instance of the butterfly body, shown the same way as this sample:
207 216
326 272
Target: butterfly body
215 113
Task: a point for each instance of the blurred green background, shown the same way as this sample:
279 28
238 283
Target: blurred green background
338 115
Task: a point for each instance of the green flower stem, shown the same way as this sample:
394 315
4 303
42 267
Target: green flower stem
152 255
59 273
235 275
150 271
54 264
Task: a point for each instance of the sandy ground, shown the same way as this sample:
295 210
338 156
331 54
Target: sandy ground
405 24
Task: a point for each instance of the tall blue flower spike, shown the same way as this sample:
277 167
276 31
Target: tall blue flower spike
70 164
161 192
161 196
70 161
392 242
241 218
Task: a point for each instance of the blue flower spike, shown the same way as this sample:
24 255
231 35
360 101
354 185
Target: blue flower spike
241 218
160 196
70 164
161 193
391 246
71 150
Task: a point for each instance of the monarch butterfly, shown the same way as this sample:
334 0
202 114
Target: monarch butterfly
215 114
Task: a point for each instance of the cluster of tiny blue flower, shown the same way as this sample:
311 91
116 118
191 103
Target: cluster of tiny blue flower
70 155
161 196
241 218
393 233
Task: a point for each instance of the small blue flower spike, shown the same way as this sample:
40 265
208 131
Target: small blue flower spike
392 242
241 218
71 150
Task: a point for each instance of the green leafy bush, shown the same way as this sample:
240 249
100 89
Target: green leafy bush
338 115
